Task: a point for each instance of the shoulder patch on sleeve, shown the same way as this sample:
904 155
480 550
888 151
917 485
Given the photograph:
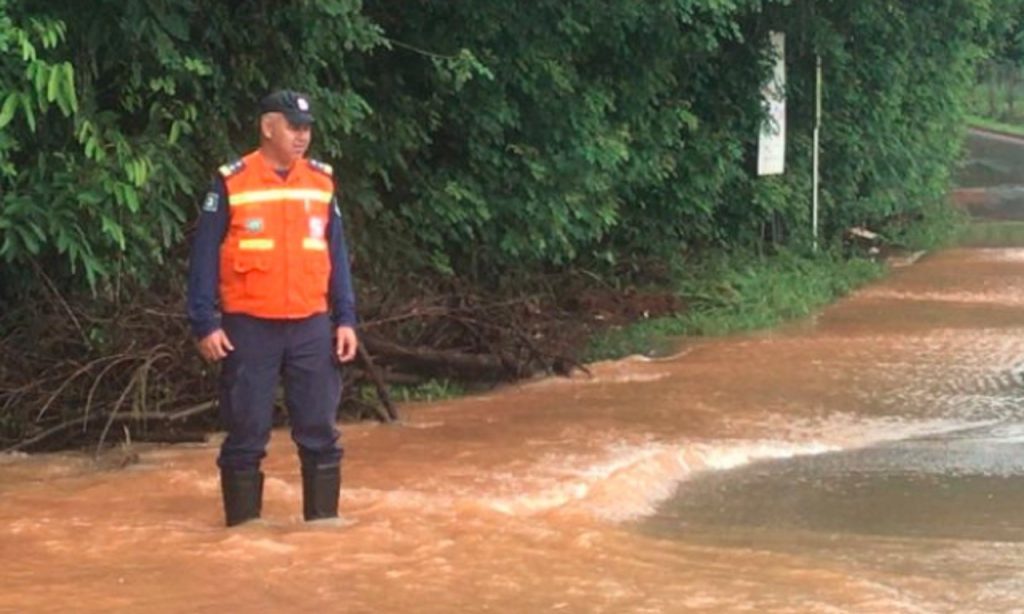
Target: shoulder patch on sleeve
231 168
323 167
211 202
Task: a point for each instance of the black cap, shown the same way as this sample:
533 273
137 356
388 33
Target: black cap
295 106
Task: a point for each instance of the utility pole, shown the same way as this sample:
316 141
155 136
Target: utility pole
814 163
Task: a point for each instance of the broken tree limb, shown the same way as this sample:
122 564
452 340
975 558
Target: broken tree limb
441 363
84 420
390 414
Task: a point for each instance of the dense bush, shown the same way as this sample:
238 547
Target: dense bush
111 118
999 93
473 137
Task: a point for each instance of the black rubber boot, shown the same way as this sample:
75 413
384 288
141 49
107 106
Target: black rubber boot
243 495
320 488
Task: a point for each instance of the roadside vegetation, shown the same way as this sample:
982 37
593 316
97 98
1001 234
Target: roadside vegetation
996 102
732 294
1002 127
514 180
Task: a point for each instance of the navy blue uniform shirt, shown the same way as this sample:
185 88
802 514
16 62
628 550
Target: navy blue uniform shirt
204 265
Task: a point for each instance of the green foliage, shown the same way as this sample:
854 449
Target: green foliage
112 118
430 390
605 133
738 293
478 138
996 126
999 88
1000 233
433 389
583 126
897 75
1005 32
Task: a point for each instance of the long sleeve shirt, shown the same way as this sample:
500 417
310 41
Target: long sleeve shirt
204 265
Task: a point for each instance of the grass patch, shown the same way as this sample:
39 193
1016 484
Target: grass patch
736 293
1000 233
430 390
941 227
995 126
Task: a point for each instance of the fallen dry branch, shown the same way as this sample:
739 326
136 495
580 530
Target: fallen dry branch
84 420
84 365
438 363
389 413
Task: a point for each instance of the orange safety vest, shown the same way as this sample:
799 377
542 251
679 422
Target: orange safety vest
274 261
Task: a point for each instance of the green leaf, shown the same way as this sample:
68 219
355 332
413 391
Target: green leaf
172 138
131 198
28 239
28 52
30 114
113 230
40 73
53 84
68 98
9 106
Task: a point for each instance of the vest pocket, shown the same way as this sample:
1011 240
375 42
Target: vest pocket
318 273
255 273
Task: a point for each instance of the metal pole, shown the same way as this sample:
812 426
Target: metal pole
814 164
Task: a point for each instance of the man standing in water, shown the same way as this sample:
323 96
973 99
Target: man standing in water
270 246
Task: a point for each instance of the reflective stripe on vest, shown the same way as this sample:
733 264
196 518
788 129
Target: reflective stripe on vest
262 196
256 244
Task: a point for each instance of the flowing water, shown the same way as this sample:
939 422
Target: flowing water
869 459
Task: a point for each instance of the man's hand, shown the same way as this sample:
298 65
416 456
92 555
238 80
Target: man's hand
346 343
215 346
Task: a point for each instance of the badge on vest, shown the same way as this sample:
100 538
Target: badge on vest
316 227
254 224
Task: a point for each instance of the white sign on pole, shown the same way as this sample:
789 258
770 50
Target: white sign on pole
771 143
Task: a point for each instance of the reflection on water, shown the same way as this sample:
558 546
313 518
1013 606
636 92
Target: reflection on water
866 459
991 179
991 160
964 485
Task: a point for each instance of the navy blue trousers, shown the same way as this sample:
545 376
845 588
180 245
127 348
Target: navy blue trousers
301 350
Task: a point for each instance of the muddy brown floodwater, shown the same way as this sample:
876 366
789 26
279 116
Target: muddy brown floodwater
868 459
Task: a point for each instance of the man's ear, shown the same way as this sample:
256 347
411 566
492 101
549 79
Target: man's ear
267 125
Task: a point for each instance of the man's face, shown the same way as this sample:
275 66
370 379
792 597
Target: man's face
286 140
